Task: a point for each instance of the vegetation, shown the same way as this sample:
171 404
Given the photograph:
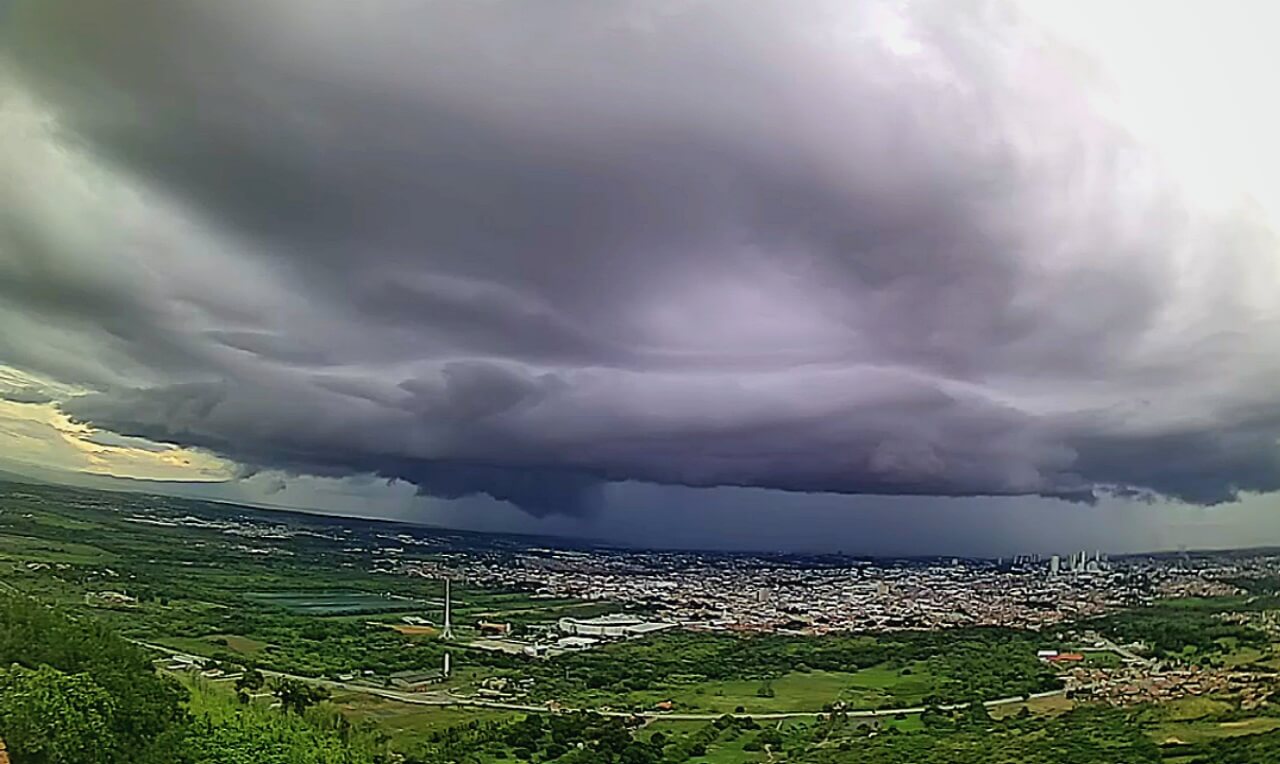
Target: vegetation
227 732
77 676
862 670
73 692
1244 749
1180 630
1087 736
579 738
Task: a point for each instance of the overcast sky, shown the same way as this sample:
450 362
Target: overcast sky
878 276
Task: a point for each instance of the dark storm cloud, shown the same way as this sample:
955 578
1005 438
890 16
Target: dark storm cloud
525 250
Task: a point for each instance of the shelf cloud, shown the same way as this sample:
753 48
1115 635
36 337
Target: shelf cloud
527 250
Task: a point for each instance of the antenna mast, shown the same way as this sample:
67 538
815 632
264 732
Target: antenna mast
447 632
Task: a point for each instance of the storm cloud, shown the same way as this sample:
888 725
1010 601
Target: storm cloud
530 249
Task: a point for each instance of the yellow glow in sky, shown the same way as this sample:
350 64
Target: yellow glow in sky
40 434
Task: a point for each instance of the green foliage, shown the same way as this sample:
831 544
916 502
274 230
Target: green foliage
48 717
566 738
1246 749
142 704
961 664
297 696
1176 631
1086 736
251 680
225 732
1259 585
73 692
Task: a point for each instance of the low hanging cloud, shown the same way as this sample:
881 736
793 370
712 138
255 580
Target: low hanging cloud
525 250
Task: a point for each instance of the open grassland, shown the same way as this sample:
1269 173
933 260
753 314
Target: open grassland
202 645
876 687
407 724
23 549
1050 706
1201 731
791 692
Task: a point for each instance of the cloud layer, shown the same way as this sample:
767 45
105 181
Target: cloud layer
526 250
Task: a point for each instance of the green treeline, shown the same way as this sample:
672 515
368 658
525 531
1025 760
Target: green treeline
574 738
66 684
1246 749
73 692
1084 736
1175 630
966 664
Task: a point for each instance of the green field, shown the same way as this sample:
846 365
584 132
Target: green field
202 645
877 687
408 725
1202 731
21 548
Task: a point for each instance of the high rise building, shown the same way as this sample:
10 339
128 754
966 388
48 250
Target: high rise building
1055 565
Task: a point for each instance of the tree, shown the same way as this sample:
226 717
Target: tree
639 753
977 714
297 696
933 716
50 717
146 704
250 681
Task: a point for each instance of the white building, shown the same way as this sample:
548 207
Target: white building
616 626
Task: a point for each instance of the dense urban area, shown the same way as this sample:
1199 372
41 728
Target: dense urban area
184 631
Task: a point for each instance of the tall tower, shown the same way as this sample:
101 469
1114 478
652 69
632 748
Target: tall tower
447 632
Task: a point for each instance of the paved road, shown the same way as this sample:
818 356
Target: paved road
441 698
1125 652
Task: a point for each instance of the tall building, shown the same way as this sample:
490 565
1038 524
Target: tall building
1055 565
